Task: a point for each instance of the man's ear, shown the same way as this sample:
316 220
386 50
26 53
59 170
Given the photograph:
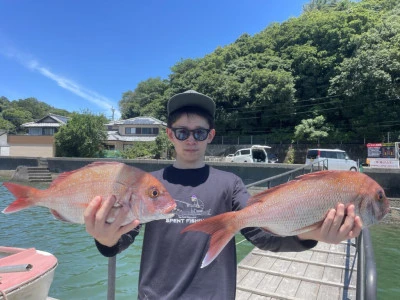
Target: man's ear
211 136
170 134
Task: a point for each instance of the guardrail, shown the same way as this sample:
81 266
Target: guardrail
366 267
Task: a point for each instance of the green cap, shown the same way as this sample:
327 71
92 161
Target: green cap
191 98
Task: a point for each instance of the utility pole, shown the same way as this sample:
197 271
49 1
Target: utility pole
113 110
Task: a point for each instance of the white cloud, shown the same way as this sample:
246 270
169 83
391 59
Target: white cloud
32 64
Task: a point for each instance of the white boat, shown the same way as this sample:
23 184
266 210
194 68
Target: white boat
25 273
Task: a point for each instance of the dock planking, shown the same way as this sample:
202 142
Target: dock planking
325 272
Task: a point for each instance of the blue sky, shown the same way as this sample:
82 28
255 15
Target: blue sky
84 54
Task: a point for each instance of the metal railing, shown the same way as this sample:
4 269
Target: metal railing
366 267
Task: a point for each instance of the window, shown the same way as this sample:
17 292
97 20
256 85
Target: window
130 130
331 154
149 130
35 131
139 130
48 131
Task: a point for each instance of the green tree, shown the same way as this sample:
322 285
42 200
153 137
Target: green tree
163 146
147 99
7 126
4 103
82 136
139 150
319 4
312 129
17 117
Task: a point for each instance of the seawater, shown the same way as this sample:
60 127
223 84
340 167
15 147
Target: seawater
82 271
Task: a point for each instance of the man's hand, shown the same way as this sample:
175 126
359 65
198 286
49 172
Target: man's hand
336 227
95 217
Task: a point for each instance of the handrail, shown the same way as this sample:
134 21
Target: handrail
112 266
308 168
366 267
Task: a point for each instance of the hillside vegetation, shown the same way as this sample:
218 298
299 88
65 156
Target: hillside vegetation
332 74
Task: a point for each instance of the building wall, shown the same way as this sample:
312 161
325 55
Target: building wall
32 146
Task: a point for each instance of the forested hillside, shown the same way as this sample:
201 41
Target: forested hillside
14 113
332 74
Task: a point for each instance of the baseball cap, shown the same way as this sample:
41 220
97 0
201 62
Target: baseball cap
191 98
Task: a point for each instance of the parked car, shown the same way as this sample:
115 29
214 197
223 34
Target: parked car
337 159
272 158
229 157
255 154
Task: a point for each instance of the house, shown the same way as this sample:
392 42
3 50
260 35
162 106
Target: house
39 141
47 125
124 133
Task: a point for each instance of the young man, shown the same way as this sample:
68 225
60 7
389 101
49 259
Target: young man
170 263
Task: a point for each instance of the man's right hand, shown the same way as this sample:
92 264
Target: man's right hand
95 217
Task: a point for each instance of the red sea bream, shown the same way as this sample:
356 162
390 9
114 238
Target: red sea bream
68 195
297 206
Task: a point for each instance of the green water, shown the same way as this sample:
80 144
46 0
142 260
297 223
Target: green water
82 271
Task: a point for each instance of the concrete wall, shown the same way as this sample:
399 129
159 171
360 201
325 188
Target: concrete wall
388 178
31 145
11 163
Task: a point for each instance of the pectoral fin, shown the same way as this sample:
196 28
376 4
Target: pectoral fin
308 228
58 216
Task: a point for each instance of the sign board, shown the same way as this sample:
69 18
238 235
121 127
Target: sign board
383 163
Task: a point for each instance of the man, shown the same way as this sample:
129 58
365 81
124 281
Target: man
170 263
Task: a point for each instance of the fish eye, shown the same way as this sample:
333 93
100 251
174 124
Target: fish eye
380 195
154 193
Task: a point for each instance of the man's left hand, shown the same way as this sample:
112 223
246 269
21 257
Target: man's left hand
336 227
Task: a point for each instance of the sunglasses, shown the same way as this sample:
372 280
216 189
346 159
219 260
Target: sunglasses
199 134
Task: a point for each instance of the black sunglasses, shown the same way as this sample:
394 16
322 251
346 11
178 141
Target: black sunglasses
199 134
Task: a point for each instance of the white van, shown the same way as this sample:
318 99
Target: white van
337 159
255 154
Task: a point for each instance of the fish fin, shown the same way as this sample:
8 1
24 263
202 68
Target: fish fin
64 175
221 228
24 197
260 197
58 216
307 228
269 231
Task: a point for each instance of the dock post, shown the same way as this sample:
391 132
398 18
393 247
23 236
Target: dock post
112 263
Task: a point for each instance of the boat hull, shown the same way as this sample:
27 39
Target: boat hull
26 273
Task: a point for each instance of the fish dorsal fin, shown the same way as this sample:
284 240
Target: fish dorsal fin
310 176
261 196
64 175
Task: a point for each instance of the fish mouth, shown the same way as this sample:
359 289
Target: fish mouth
170 211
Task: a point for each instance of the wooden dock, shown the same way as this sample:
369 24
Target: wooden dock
324 272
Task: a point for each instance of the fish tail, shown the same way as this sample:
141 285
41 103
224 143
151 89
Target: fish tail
23 194
222 229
